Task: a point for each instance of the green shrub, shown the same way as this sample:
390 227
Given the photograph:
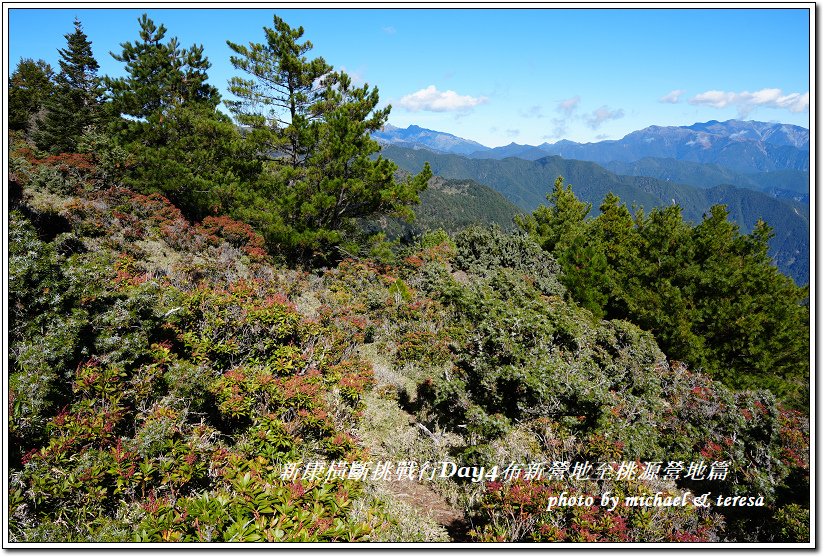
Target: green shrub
483 251
793 524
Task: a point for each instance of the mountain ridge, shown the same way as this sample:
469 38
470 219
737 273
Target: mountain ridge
526 183
741 146
413 135
767 157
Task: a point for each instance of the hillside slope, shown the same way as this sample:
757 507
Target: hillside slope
169 382
452 205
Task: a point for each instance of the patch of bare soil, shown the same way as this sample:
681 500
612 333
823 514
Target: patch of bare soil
428 502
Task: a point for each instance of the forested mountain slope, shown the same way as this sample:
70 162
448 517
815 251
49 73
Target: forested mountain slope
452 205
526 183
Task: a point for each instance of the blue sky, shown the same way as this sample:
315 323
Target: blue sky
503 75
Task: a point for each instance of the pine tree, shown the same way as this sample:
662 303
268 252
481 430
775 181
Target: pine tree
194 157
29 85
557 225
654 286
561 229
615 232
180 144
161 75
76 101
753 317
284 95
313 126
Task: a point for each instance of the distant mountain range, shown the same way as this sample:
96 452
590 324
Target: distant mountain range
526 183
742 146
415 137
768 157
746 147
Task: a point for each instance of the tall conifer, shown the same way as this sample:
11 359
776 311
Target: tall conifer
75 103
314 125
160 75
180 144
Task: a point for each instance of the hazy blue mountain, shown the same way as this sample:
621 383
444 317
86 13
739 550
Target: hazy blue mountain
772 133
528 152
786 184
792 184
526 183
744 147
415 137
773 158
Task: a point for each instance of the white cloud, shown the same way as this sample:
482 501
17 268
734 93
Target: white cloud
432 100
715 99
568 105
559 129
746 102
390 30
672 97
602 115
532 112
513 132
560 125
